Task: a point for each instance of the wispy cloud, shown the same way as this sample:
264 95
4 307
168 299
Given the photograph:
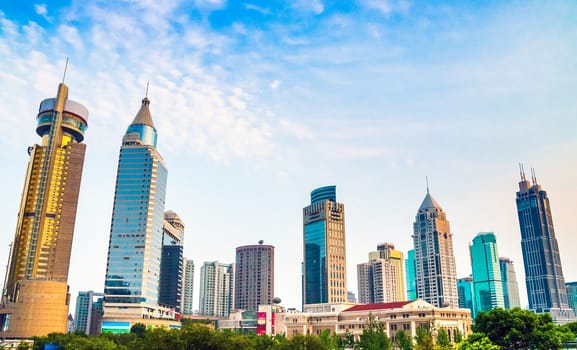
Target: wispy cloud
42 11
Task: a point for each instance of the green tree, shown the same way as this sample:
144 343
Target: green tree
443 341
373 336
477 341
519 329
424 338
139 329
403 340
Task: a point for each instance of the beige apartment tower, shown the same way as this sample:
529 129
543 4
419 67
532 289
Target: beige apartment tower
35 296
254 276
381 279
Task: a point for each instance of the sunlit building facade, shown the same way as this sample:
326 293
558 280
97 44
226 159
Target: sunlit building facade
324 268
381 279
188 288
216 289
35 298
543 272
435 271
510 286
487 282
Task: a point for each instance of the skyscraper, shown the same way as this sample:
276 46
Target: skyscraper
381 279
325 274
254 276
410 275
465 291
172 262
394 257
131 290
35 294
510 286
216 289
83 316
543 273
435 272
188 288
487 282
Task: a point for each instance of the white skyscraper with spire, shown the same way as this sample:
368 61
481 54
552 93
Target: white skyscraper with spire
435 272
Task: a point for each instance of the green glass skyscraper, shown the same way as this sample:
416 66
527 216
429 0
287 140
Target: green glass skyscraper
410 275
487 283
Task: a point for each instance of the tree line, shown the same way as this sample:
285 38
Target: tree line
493 330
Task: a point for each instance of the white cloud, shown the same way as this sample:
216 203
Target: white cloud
315 6
256 8
275 84
71 36
210 4
42 11
387 7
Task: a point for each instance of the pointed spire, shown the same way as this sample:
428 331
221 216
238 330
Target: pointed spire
143 116
429 203
533 176
522 171
427 180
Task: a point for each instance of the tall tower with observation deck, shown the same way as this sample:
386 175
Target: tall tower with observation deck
35 295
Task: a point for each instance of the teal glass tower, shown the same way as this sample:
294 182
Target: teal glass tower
487 283
543 273
136 234
324 273
465 290
572 295
410 275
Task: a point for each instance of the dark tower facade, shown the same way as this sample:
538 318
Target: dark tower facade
543 273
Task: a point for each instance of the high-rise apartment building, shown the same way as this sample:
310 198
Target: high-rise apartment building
188 288
172 262
510 286
324 273
394 257
465 291
487 282
543 273
86 305
410 275
254 276
216 289
35 296
132 281
381 279
435 272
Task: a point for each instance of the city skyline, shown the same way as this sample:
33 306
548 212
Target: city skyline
369 99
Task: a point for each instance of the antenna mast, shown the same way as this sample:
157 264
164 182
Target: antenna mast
65 68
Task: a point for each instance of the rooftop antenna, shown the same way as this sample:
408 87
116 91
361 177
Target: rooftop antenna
427 180
533 176
522 171
65 68
147 89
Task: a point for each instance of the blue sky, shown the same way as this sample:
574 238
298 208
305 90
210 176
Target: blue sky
258 103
